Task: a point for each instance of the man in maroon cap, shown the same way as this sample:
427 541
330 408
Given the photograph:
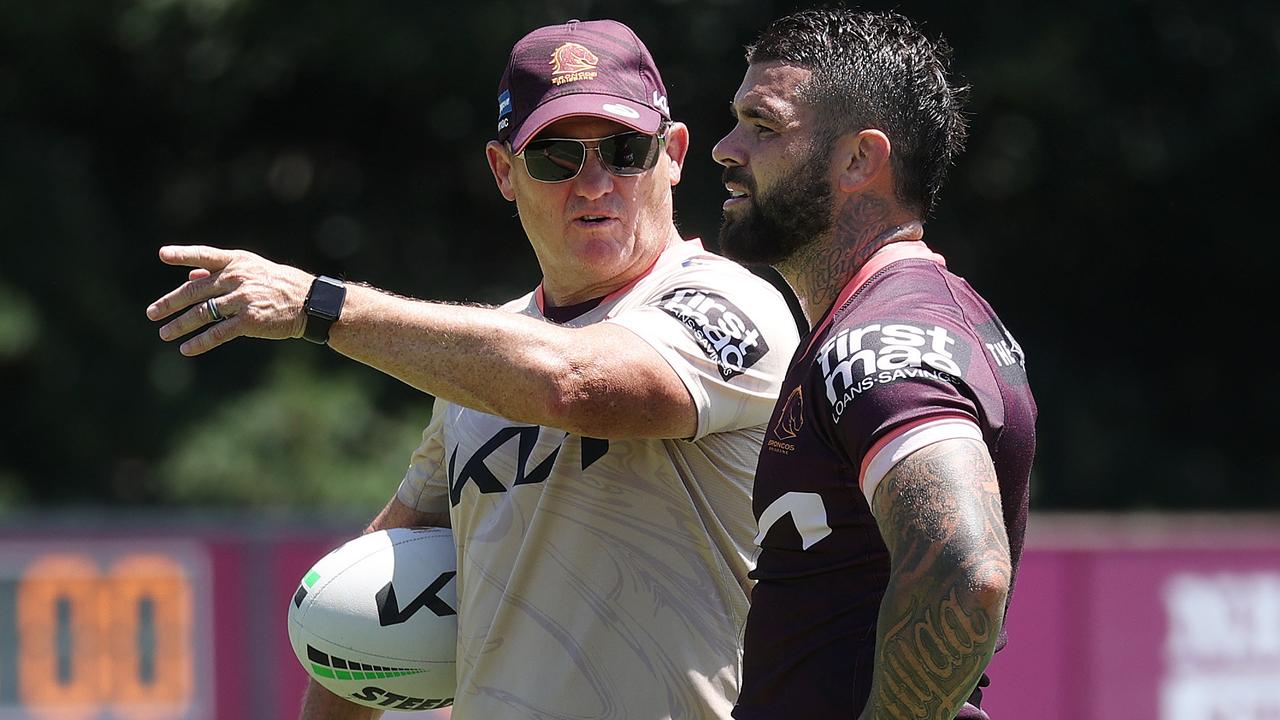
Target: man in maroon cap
593 442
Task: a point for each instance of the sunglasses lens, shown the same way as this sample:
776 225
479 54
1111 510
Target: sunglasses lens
554 160
629 153
558 160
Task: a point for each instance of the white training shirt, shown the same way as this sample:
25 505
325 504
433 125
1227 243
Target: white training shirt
608 579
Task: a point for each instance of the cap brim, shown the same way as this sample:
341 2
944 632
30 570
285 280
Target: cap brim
609 107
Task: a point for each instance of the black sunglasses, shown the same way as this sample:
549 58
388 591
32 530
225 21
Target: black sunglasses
553 160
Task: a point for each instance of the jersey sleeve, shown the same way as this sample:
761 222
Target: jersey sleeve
887 385
903 440
727 334
425 486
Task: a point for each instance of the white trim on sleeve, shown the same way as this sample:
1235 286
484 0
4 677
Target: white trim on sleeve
911 439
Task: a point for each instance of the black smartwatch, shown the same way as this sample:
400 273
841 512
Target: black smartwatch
322 307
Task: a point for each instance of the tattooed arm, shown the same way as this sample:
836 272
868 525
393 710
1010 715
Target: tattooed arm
940 515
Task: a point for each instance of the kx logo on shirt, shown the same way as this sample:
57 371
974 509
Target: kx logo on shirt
474 469
724 332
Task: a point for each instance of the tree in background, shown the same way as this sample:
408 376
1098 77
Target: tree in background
1114 149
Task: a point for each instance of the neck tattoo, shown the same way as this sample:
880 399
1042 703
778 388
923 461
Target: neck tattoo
819 270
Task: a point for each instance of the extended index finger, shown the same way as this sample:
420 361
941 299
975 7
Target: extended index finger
181 297
206 261
200 256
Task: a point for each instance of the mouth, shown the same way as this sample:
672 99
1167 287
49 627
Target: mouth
593 220
738 195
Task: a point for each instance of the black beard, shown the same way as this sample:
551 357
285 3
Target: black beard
782 221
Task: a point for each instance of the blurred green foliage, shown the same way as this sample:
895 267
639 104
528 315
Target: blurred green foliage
301 434
1112 205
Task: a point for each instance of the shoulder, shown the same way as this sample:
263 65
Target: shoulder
926 298
524 305
701 266
730 313
912 297
893 335
900 351
909 282
698 286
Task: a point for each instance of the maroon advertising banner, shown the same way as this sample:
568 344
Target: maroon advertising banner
1144 618
1114 618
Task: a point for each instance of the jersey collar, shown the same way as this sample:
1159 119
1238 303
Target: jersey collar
678 252
891 253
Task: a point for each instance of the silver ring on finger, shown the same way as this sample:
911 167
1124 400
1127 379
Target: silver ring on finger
212 308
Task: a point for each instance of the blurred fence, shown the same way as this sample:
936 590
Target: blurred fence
113 615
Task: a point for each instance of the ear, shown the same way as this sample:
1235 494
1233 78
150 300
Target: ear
862 160
500 163
677 148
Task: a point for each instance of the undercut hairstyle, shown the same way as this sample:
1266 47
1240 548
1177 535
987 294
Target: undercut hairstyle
877 70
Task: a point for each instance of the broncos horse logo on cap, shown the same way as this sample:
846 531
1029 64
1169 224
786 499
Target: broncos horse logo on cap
571 62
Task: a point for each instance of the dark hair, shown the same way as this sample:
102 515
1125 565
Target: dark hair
877 70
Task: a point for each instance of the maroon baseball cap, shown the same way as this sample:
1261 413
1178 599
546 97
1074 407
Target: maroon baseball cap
597 68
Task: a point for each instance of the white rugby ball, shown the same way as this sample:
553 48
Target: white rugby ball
375 621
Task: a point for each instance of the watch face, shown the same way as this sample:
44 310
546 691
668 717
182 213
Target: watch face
326 299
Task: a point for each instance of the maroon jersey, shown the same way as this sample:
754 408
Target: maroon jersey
906 344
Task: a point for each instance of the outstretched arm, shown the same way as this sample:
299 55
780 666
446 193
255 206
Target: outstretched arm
939 512
601 381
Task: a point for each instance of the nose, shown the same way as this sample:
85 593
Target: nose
728 151
593 181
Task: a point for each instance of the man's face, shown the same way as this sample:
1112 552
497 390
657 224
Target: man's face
777 169
596 231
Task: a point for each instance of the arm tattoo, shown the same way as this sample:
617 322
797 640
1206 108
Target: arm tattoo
940 514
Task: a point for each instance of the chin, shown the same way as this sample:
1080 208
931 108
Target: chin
603 252
747 241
